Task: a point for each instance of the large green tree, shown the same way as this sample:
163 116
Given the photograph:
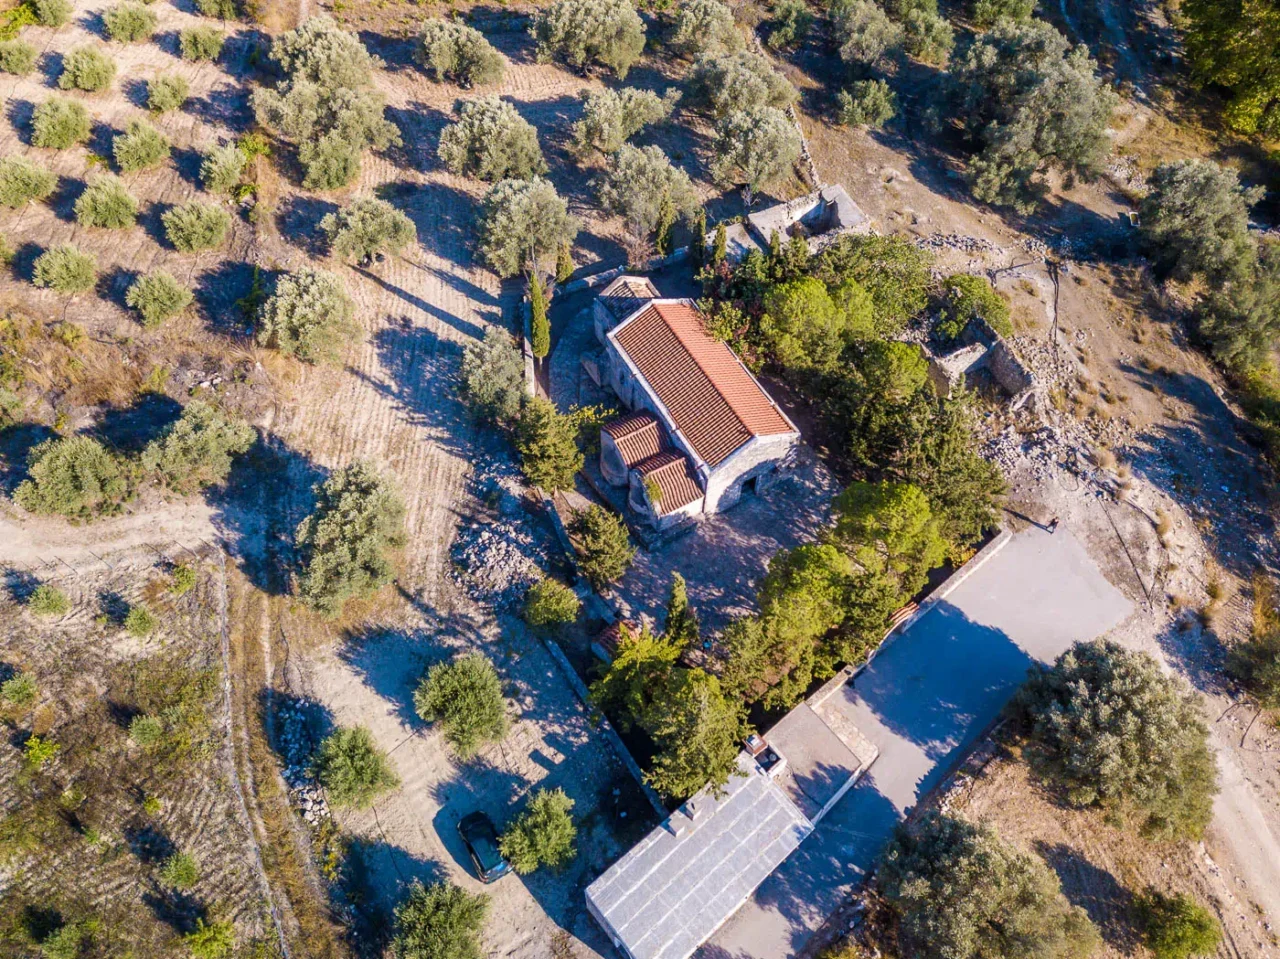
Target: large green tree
465 697
439 921
1235 44
890 527
547 441
699 732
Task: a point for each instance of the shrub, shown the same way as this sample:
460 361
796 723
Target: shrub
58 123
201 43
493 378
20 690
180 871
604 549
222 168
611 117
547 441
648 192
74 476
987 13
866 35
966 297
549 603
465 697
146 731
309 315
64 269
958 890
542 835
87 68
439 921
344 543
140 147
140 621
196 450
1177 927
166 92
219 9
723 84
52 13
867 103
754 148
48 601
791 23
523 223
17 57
196 226
927 36
367 227
454 51
22 180
129 22
1109 728
214 940
68 940
38 752
1256 665
182 580
703 26
583 32
106 203
352 769
157 297
491 141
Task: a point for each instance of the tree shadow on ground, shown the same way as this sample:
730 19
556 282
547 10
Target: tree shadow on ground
20 113
414 355
16 444
177 910
187 162
170 41
219 290
136 91
151 219
420 125
130 429
376 876
396 52
101 139
50 67
466 327
150 844
444 217
296 725
113 607
19 584
226 106
115 284
1096 891
298 221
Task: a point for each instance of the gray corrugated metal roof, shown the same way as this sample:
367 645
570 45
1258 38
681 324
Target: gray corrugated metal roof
669 893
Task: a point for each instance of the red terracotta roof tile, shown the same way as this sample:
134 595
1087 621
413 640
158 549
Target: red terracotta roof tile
675 478
637 436
714 402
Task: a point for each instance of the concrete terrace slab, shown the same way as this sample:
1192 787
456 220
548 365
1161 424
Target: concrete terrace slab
922 701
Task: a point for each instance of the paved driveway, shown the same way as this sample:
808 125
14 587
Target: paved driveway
922 701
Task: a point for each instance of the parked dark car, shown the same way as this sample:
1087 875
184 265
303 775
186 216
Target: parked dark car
481 840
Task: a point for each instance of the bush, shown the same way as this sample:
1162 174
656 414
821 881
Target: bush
1256 665
604 549
958 890
1177 927
129 22
166 92
867 103
17 57
358 520
140 147
439 921
723 84
1110 728
106 203
214 940
196 450
987 13
611 117
366 228
465 697
20 690
966 297
549 603
219 9
493 378
523 225
87 68
927 36
309 315
182 580
196 226
866 35
491 141
180 871
146 731
201 43
48 601
352 769
38 752
22 181
648 192
754 148
583 32
706 26
140 621
1233 46
791 23
64 269
74 477
542 835
547 441
454 51
58 123
157 297
222 168
52 13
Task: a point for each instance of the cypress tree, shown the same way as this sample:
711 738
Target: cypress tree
698 246
564 264
666 220
721 248
541 325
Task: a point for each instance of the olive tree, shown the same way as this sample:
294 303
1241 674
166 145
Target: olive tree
196 450
52 13
611 117
1176 926
353 770
454 51
1110 728
308 315
157 297
195 226
140 147
367 227
523 225
129 22
222 168
987 13
728 83
74 476
464 696
1256 665
439 921
493 378
166 92
648 192
753 148
867 103
106 203
201 43
705 26
344 543
491 141
958 890
543 834
866 35
64 269
23 180
17 57
59 123
965 298
927 35
88 69
791 23
584 32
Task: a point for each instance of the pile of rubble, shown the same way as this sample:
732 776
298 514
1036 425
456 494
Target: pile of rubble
958 242
296 742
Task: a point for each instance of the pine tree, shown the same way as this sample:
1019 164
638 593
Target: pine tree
698 245
549 453
682 621
721 248
541 324
564 264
